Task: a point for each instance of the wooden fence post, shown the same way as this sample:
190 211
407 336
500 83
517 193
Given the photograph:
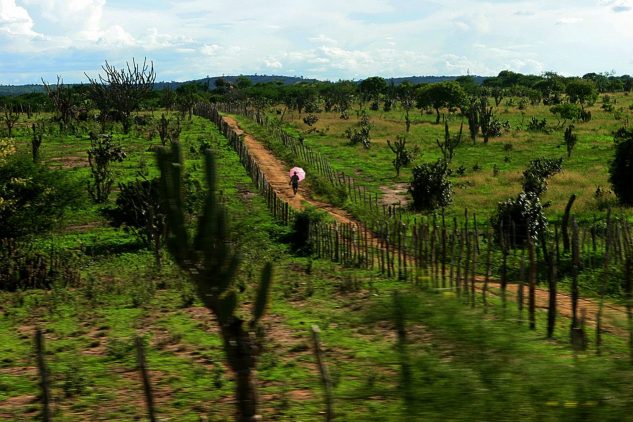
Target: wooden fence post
45 397
551 309
147 386
325 374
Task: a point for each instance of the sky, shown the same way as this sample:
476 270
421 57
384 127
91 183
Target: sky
323 39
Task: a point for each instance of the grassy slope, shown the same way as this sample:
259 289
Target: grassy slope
464 365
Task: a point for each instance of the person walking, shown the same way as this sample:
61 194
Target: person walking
294 182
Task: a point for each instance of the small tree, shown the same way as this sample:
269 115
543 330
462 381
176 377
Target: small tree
36 139
371 88
581 91
430 187
441 95
187 95
566 111
102 153
119 92
63 100
11 117
621 168
403 156
498 94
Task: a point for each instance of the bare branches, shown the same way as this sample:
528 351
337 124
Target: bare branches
62 100
119 92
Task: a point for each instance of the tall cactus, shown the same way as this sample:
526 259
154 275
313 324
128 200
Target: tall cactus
211 264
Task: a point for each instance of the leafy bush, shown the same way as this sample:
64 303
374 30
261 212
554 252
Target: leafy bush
140 211
300 235
496 127
32 197
566 111
536 125
430 186
360 136
535 176
7 149
310 119
621 168
517 218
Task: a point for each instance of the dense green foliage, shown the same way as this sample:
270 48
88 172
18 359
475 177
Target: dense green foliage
538 171
621 169
517 218
140 210
430 187
34 198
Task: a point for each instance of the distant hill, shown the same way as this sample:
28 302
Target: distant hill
8 90
415 80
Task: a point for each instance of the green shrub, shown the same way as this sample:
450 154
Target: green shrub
517 218
140 211
621 168
300 235
430 186
538 171
34 198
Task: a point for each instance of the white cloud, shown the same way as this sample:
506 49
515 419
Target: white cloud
273 64
210 50
322 39
15 20
618 6
115 36
568 21
81 18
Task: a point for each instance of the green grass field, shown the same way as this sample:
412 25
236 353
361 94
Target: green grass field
479 189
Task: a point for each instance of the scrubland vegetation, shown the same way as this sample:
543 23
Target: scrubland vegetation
149 269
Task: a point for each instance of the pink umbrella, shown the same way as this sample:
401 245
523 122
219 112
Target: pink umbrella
300 172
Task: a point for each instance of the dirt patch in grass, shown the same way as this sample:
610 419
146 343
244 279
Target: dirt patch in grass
19 404
30 371
70 161
396 194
